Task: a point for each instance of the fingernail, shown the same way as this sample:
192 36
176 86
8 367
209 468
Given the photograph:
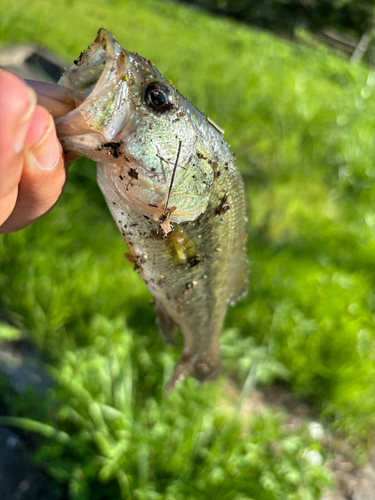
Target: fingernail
46 151
23 125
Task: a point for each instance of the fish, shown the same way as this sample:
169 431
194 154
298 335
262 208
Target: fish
172 186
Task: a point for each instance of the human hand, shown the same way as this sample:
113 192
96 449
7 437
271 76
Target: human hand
32 168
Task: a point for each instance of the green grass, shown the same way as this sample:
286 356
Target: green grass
301 122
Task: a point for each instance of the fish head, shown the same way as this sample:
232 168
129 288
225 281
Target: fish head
156 150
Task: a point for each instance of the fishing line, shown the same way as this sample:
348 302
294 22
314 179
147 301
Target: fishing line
173 176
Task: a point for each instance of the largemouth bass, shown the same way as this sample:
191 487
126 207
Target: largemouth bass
171 185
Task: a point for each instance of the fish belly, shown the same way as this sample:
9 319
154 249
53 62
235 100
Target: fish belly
193 273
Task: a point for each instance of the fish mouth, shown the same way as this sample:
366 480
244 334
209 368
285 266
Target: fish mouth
98 74
91 96
92 67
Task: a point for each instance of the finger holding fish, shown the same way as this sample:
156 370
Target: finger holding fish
32 171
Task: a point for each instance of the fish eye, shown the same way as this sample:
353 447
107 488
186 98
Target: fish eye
158 97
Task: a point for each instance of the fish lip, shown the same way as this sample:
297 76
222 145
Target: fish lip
116 58
74 75
96 73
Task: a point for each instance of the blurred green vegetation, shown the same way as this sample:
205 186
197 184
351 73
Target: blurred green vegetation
301 122
349 16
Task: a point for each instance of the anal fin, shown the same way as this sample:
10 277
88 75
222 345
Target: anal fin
167 327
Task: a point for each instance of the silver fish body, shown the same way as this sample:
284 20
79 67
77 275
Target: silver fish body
173 189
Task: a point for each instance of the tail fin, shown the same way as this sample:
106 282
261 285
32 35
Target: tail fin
203 366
